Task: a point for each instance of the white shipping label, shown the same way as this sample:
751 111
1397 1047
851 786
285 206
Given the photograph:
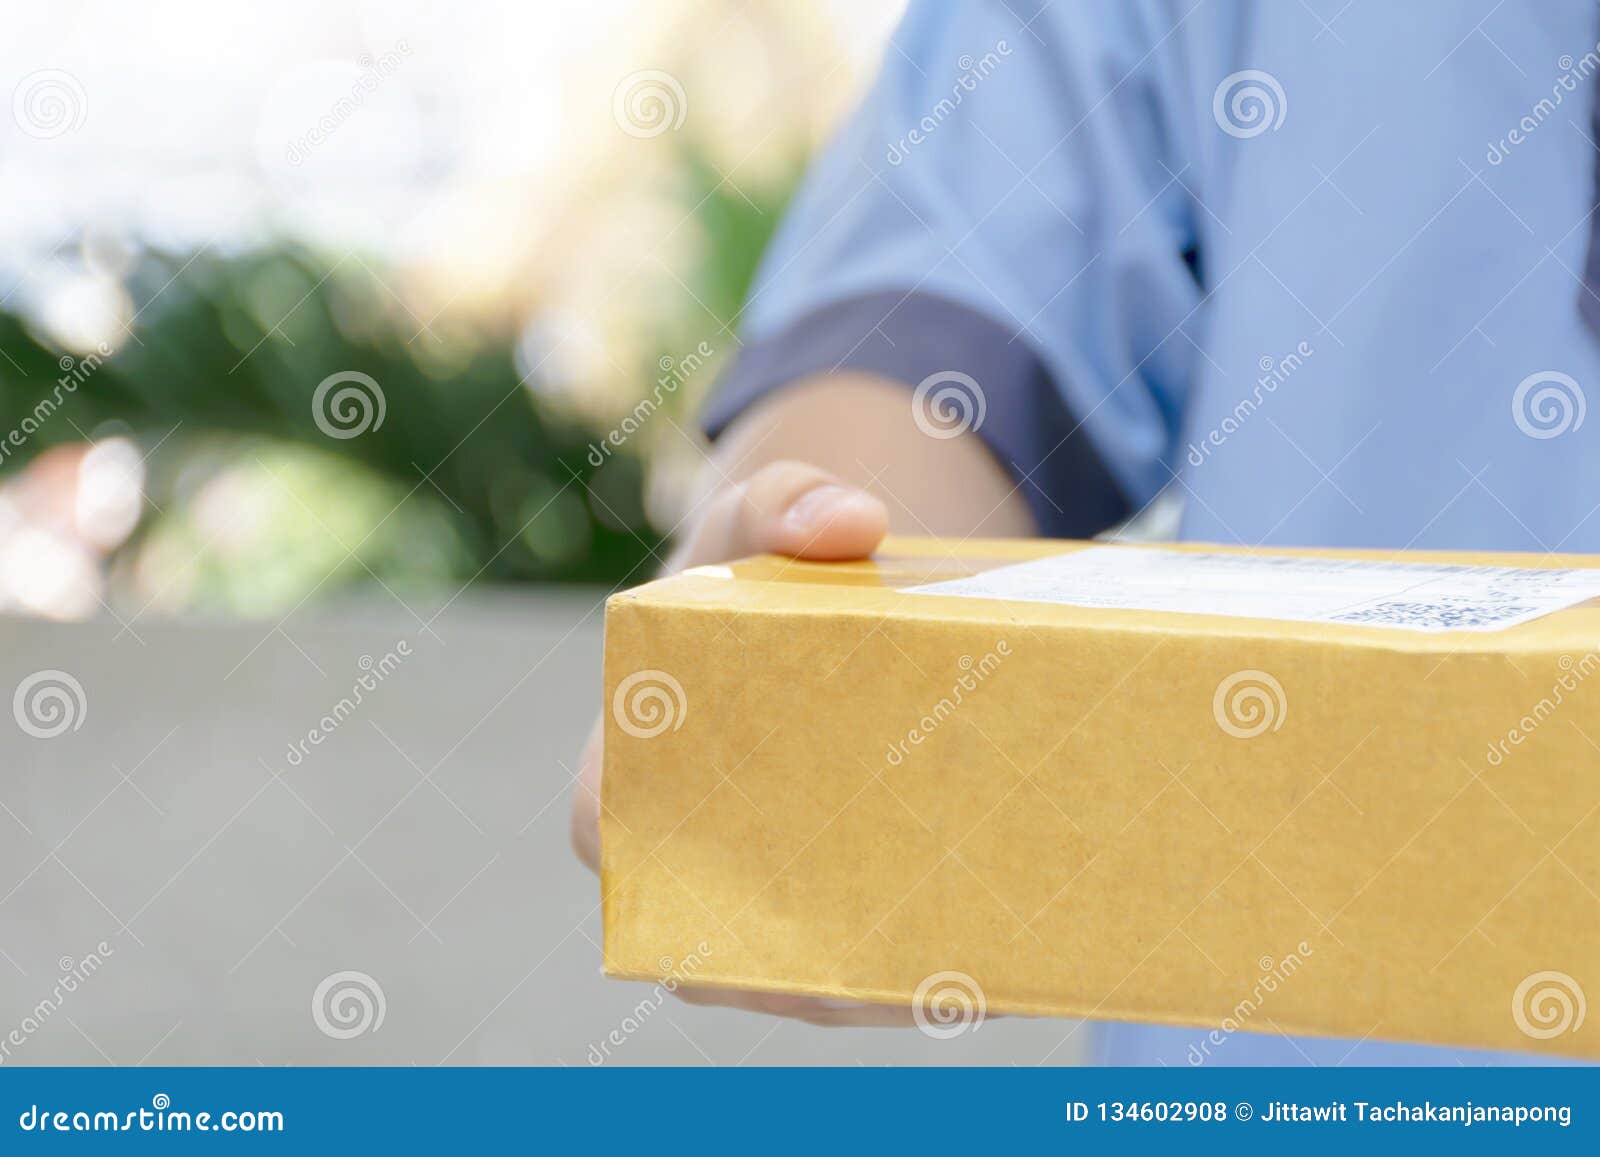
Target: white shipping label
1406 596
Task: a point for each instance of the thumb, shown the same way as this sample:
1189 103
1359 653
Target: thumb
795 509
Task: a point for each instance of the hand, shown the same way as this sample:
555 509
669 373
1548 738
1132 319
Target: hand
784 508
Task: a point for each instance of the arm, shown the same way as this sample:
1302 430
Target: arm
1055 299
861 429
821 470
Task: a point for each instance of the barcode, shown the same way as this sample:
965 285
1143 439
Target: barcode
1436 616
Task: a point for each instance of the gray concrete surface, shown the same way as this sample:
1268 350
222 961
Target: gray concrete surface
423 843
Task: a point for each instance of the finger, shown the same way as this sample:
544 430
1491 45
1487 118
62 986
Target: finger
792 508
586 801
818 1010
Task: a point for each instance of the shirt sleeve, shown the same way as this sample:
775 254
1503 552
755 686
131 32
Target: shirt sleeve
1002 226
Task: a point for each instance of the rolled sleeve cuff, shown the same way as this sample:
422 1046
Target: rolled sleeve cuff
941 348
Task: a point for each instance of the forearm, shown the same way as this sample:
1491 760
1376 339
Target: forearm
860 428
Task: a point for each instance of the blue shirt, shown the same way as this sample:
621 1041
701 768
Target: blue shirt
1319 278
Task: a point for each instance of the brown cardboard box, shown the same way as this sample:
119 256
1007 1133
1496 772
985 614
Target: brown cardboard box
1338 793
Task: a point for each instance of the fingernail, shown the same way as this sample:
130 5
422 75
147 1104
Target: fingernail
816 508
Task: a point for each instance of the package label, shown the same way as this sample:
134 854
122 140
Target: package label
1404 596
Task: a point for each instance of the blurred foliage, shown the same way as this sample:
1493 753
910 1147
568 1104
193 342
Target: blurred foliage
472 475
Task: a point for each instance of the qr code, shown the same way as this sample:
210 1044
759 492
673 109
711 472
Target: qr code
1436 616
